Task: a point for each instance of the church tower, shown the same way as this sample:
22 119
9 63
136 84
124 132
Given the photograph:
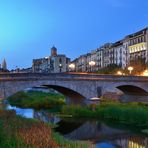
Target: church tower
4 65
53 51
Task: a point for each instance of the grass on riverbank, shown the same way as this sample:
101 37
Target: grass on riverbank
16 132
124 113
37 100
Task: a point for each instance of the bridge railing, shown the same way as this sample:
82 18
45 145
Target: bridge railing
70 76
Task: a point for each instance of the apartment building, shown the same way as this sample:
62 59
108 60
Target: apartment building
138 45
121 53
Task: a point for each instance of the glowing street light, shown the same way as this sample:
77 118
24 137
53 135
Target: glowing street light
72 66
145 73
60 67
119 73
92 63
130 68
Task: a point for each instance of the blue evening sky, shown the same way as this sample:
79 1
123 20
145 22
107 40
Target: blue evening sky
29 28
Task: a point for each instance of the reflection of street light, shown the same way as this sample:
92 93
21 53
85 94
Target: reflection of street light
92 63
145 73
72 66
130 68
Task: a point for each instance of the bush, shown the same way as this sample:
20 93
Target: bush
125 113
36 100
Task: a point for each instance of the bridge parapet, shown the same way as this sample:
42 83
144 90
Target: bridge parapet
86 85
67 76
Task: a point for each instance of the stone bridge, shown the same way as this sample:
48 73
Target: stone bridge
75 85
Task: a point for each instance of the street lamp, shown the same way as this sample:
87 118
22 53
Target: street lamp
145 73
119 73
92 63
130 68
72 66
60 66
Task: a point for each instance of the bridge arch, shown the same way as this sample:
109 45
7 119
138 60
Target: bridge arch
132 90
66 91
72 93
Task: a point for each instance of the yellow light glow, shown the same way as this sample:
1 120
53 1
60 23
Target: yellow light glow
92 63
130 68
137 47
145 73
72 66
119 73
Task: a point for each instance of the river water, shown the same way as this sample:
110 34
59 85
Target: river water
99 133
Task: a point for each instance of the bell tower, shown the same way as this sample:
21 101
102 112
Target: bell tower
53 51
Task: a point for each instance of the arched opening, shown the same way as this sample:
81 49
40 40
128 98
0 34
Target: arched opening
132 90
73 97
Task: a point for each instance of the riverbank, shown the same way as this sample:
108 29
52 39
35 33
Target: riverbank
128 114
135 114
17 131
37 100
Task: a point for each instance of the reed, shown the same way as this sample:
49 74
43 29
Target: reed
126 113
19 132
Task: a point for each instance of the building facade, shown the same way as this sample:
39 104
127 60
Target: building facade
121 53
138 45
54 63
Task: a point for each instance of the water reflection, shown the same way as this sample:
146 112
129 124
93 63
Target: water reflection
31 113
104 145
28 113
101 135
97 132
133 142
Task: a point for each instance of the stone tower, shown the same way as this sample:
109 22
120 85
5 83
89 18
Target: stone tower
53 51
4 65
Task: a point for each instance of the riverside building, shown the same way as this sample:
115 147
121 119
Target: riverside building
121 53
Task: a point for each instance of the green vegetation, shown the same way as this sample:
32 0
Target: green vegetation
64 143
139 66
16 131
134 114
37 100
110 69
125 113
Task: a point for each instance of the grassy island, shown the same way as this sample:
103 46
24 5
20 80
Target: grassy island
37 100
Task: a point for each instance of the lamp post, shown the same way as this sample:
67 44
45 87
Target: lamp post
60 66
92 63
72 66
130 68
145 73
119 73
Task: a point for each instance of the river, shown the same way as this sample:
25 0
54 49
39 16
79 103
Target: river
99 133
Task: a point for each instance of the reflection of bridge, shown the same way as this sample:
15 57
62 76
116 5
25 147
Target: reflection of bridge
91 131
132 142
75 85
98 132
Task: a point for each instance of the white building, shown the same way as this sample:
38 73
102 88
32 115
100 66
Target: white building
121 53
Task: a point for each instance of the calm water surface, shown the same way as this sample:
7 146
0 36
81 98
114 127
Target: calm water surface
102 135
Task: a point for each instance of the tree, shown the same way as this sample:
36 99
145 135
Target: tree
110 69
138 65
